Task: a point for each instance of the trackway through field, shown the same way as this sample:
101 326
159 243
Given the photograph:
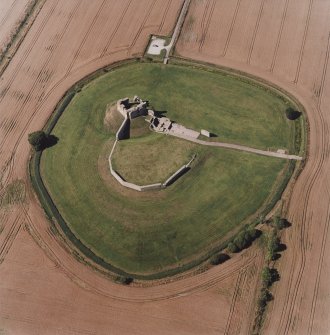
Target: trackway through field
45 290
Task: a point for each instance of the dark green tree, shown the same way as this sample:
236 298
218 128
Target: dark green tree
38 140
232 247
292 114
219 258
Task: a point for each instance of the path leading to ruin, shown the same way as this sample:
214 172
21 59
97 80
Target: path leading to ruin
238 147
177 29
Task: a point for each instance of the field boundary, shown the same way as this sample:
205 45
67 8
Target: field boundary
19 34
89 256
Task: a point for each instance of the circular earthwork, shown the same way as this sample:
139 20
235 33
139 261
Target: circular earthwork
157 233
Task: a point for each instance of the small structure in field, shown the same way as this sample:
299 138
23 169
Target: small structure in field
205 133
157 44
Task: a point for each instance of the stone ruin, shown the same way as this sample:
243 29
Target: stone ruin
133 109
136 108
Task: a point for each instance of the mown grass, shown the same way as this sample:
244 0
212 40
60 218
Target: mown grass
152 158
145 233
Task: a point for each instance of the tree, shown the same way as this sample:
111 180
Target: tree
265 296
269 276
232 247
124 280
38 140
292 114
266 276
279 223
218 259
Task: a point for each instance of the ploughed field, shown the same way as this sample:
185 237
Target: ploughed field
153 231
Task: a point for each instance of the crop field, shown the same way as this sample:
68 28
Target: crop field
11 13
162 229
44 288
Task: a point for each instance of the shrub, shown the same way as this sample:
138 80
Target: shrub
232 247
244 239
269 276
292 114
273 246
266 276
265 296
124 280
218 259
279 223
241 240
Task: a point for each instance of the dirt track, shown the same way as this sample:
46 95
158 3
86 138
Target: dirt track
44 290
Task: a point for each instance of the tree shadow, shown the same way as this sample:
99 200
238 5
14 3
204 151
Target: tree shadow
160 113
292 114
281 247
275 275
50 141
276 257
286 223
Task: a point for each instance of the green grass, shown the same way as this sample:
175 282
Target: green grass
152 158
147 232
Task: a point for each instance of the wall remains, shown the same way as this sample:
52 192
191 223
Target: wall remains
124 129
130 111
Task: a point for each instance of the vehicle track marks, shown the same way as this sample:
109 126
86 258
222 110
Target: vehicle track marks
141 26
169 3
302 48
255 31
240 279
318 274
279 36
38 80
10 237
119 22
224 52
323 134
8 13
95 18
207 25
28 50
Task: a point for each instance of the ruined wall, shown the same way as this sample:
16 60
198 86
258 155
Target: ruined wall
124 130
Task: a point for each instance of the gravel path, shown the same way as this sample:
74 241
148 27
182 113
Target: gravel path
177 29
238 147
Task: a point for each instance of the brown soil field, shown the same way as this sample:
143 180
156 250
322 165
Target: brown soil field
11 12
286 42
46 290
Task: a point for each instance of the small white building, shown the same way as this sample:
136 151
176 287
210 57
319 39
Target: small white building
205 133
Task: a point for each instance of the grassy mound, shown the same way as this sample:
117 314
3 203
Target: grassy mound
151 231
